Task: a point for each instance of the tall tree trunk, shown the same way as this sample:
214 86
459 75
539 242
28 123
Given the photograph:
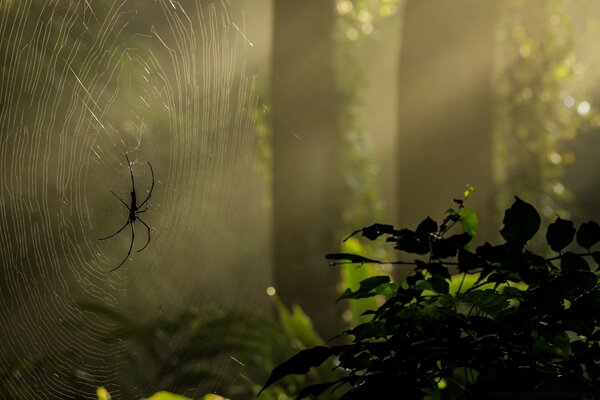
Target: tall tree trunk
306 164
445 108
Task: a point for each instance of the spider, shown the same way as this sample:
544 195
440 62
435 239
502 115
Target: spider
134 209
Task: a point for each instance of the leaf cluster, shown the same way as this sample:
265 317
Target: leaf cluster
509 321
178 353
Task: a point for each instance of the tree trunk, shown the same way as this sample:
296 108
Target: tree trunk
445 108
306 172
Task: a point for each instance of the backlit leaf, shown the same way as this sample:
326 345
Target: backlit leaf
469 221
588 234
367 288
299 364
521 222
427 226
573 262
560 234
167 396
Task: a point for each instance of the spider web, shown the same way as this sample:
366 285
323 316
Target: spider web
82 84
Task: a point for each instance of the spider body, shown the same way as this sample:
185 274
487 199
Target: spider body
133 210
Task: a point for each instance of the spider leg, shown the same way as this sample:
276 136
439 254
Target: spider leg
148 228
151 187
117 232
128 252
122 201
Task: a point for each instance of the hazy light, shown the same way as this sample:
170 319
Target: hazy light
344 7
387 10
271 291
364 16
367 28
352 34
569 101
583 108
555 158
526 93
524 50
558 188
347 315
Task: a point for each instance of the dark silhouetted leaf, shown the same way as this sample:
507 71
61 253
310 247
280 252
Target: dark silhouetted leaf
358 362
596 257
439 285
467 261
573 262
436 269
521 222
442 248
371 329
352 258
460 240
560 234
314 390
426 227
299 364
408 241
367 288
374 231
588 234
587 304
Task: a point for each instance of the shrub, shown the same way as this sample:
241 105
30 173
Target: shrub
508 322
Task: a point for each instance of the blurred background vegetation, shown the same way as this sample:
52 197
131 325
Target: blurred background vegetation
275 128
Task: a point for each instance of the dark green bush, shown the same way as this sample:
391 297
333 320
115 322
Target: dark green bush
509 323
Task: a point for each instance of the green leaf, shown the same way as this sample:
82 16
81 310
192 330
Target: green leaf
469 221
521 222
168 396
297 325
553 345
351 278
560 234
102 394
588 234
299 364
368 288
489 301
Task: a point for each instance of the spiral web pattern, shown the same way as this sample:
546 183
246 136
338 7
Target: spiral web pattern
82 84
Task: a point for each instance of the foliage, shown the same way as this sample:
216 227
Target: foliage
537 64
510 321
179 353
103 394
356 22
